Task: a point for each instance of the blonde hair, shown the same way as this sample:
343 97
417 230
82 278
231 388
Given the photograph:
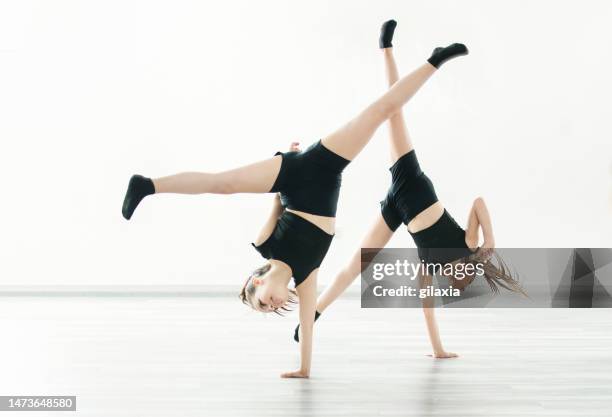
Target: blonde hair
248 291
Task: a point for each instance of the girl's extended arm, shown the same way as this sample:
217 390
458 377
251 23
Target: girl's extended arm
432 325
307 293
479 219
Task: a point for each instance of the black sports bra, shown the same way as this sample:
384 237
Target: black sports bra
298 243
442 242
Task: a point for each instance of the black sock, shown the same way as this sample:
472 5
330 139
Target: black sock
138 188
386 34
441 55
296 335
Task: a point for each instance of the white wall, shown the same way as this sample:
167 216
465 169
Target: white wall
91 92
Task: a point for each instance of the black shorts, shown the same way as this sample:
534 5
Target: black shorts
410 193
310 181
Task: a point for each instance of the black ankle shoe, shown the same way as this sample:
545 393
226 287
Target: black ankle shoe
296 335
138 188
440 55
386 34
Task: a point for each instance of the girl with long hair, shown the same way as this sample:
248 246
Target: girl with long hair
300 227
411 200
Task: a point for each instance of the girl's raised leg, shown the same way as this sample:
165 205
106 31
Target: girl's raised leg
400 143
350 139
258 177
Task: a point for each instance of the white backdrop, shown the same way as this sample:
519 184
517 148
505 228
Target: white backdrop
92 92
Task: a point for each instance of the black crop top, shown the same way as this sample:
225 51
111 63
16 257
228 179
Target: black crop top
442 242
298 243
309 181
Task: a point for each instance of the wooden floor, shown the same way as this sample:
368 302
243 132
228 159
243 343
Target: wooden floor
210 356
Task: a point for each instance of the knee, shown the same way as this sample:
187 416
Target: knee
383 110
223 184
